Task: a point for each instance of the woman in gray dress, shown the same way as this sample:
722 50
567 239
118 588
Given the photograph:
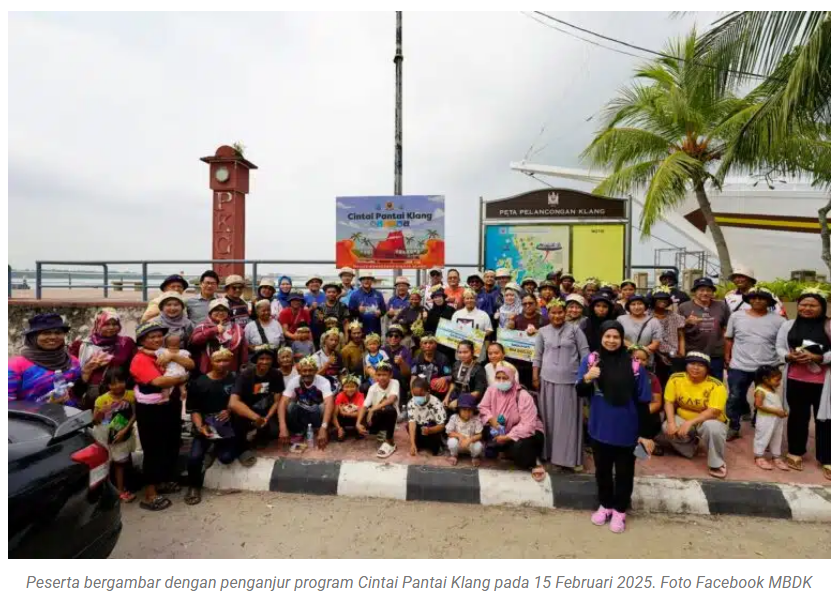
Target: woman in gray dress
560 347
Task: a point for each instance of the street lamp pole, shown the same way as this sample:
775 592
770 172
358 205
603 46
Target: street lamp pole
397 150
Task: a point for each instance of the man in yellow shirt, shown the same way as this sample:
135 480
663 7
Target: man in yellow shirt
694 403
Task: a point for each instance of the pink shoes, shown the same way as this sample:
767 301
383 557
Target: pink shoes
618 524
601 515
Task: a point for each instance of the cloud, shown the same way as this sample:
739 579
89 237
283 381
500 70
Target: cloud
437 199
351 224
438 214
344 206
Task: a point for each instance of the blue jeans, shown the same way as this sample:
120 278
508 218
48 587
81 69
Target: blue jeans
737 405
227 450
717 368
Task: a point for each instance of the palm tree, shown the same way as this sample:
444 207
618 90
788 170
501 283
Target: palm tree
666 133
356 236
431 234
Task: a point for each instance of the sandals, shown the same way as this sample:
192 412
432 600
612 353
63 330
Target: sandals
718 473
170 487
452 460
538 473
385 450
763 463
127 497
158 504
247 459
193 496
826 471
780 464
796 464
476 462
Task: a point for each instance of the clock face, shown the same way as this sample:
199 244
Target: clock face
222 174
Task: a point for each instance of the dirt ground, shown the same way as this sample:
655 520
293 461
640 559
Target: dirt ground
272 525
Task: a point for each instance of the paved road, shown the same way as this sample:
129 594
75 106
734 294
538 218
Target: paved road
262 525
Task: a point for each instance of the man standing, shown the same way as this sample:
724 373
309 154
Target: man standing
749 344
705 322
335 308
694 404
307 400
240 312
502 278
744 279
670 279
436 277
197 307
346 275
368 304
399 300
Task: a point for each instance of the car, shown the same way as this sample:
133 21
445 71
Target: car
61 501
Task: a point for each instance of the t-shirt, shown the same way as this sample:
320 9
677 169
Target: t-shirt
258 392
691 399
428 413
352 355
291 319
708 335
467 428
302 348
456 294
472 319
754 340
652 330
333 369
208 397
120 412
273 333
371 360
376 394
144 370
309 398
436 368
240 311
357 400
537 322
772 400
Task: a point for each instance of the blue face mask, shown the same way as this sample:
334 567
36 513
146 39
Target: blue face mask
418 400
504 386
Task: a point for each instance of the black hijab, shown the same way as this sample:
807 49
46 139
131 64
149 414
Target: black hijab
594 324
810 329
435 314
617 381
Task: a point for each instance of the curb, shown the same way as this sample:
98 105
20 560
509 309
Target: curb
491 487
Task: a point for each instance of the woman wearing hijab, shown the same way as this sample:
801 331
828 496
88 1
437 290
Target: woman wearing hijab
507 405
558 351
602 310
219 331
105 340
619 420
439 310
173 316
282 301
507 313
44 353
804 344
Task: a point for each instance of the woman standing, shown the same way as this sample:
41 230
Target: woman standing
559 349
619 421
575 306
264 329
281 301
511 308
158 412
105 340
173 316
672 348
44 354
530 320
218 331
439 310
641 329
602 310
804 343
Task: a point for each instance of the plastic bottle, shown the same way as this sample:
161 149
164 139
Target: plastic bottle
59 385
310 437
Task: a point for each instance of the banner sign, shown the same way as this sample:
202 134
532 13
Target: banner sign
390 232
555 204
449 334
517 344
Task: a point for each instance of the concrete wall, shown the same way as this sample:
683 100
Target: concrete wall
79 315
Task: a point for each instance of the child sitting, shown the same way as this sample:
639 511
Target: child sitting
464 431
426 418
379 414
373 357
113 417
302 346
771 418
349 404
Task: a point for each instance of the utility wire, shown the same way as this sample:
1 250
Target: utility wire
567 33
633 46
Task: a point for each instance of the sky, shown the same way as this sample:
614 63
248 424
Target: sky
109 114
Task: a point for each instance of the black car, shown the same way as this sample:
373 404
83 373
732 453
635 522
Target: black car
61 501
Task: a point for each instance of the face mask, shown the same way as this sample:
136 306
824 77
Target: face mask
504 386
418 400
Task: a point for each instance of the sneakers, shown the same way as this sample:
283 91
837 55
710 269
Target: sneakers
601 515
618 524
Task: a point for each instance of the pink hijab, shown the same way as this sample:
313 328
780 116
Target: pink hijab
516 405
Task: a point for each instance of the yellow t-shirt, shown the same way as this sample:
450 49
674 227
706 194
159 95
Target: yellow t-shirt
124 404
691 399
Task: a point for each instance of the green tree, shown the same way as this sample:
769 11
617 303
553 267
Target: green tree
667 133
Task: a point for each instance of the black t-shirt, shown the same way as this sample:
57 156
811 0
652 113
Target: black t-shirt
257 392
207 396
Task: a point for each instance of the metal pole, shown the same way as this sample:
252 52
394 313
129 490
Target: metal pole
145 270
397 149
37 281
255 289
105 278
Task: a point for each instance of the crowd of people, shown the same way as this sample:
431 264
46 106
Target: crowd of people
613 372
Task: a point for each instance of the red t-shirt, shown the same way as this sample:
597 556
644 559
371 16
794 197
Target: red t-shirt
655 383
291 319
143 370
357 400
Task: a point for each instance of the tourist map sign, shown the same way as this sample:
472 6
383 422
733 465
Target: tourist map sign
390 232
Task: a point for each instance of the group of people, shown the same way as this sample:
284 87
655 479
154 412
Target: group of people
613 372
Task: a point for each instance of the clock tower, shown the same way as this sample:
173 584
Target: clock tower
230 183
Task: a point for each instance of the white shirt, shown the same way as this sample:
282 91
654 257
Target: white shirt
273 332
321 383
472 319
376 393
733 299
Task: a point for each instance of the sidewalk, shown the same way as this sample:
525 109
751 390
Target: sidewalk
663 484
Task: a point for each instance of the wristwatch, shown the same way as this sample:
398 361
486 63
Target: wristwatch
324 425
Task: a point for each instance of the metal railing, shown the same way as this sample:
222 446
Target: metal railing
145 264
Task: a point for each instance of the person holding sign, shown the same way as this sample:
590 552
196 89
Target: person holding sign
530 320
439 310
468 376
470 316
559 349
619 421
433 366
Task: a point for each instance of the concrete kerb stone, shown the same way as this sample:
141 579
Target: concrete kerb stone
510 488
